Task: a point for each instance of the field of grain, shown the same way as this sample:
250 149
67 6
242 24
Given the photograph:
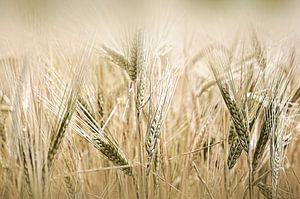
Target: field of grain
161 99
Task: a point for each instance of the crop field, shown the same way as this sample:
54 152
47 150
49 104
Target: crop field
149 99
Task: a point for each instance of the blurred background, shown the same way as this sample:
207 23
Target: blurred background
70 16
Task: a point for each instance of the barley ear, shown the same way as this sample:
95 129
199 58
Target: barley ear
96 136
269 124
235 150
141 66
156 118
116 58
59 131
266 190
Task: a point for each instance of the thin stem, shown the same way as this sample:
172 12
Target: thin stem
250 175
204 183
140 139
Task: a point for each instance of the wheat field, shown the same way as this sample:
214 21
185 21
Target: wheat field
137 99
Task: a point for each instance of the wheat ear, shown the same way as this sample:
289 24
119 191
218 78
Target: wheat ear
235 149
104 143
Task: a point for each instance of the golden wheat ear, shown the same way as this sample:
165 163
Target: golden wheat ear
59 131
237 116
89 129
269 124
116 58
120 60
156 118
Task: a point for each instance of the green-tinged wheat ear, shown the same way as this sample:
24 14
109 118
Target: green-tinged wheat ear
267 191
268 125
232 134
236 148
59 132
56 141
113 155
237 118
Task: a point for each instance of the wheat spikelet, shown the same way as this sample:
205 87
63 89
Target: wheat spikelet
157 165
116 58
237 117
66 109
276 157
105 144
136 55
113 155
282 122
235 148
232 134
60 130
153 132
122 62
142 71
267 191
70 186
269 124
100 103
26 175
152 137
155 123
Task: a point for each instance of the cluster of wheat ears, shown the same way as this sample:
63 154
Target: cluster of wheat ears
129 122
